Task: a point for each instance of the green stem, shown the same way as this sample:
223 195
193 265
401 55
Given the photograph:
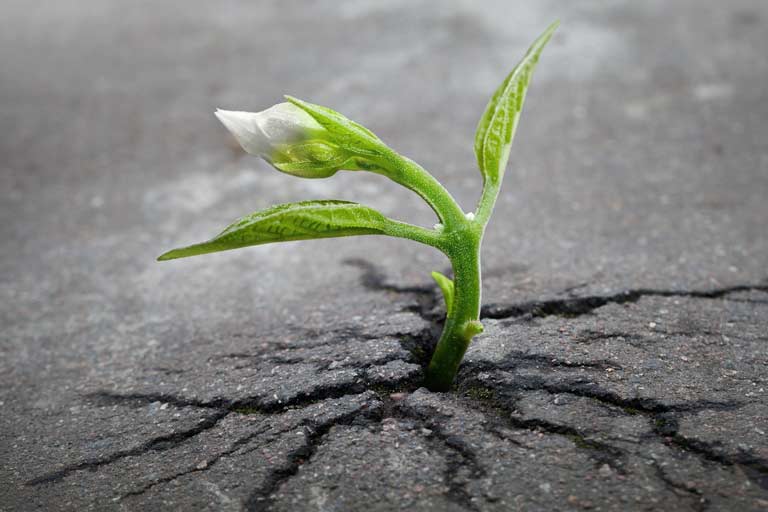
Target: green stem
414 177
487 201
460 240
411 232
464 322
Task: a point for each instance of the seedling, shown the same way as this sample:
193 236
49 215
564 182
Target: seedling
310 141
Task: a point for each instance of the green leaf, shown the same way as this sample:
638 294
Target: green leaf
446 285
346 133
496 128
293 221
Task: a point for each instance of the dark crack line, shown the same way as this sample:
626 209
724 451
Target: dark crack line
315 395
665 425
208 464
700 503
168 371
600 452
755 468
460 455
496 429
421 345
158 444
223 408
106 398
306 424
591 390
578 306
262 499
633 405
258 404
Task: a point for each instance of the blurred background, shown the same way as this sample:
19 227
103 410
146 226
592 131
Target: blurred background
641 159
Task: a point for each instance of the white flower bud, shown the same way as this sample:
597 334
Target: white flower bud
269 132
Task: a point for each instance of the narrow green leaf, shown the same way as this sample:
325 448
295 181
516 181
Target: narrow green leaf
446 285
293 221
496 128
347 133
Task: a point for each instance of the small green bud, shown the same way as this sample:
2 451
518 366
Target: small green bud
291 140
471 329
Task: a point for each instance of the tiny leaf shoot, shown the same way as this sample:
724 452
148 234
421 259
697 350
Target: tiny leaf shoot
446 286
311 141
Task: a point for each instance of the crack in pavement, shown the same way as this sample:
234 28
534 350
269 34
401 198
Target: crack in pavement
420 345
664 424
699 502
605 453
204 467
224 407
262 498
460 455
490 405
158 444
578 306
755 468
257 404
592 390
135 400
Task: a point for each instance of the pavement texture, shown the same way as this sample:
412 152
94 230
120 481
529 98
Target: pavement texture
624 364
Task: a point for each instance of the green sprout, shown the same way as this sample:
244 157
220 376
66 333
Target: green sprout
311 141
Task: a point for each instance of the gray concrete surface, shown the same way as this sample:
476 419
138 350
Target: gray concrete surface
624 363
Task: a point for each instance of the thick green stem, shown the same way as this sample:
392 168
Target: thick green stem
411 175
464 321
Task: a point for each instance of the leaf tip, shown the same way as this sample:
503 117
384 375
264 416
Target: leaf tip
547 34
293 99
166 256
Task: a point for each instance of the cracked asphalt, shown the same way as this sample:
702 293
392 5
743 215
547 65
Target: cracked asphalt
624 365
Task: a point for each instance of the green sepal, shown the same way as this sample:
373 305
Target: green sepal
312 159
346 133
446 285
496 128
292 221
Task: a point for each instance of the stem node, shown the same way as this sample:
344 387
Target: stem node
472 329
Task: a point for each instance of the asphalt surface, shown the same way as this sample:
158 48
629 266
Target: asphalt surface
624 364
